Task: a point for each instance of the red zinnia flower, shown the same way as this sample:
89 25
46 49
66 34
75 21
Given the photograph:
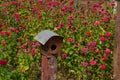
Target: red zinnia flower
114 16
103 66
40 1
88 33
112 4
33 53
105 58
4 33
107 51
77 45
29 0
27 50
3 43
102 39
97 23
70 39
17 17
3 62
92 63
84 50
13 29
108 34
64 55
93 48
85 64
71 2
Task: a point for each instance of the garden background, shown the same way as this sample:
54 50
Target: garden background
88 33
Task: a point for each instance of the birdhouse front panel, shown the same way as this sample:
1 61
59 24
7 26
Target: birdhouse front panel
54 45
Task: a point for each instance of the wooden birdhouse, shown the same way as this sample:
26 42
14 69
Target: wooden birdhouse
50 49
50 41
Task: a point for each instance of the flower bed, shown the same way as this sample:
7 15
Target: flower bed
88 34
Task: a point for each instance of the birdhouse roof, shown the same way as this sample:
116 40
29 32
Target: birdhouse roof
44 36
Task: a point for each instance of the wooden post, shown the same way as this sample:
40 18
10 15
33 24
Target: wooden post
51 45
116 74
49 68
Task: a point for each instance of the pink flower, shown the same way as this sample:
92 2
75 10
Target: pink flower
40 1
3 43
37 44
17 17
38 12
70 39
70 18
32 43
3 62
88 33
85 64
106 19
97 23
27 50
84 50
23 27
47 1
33 53
4 33
92 63
57 28
101 12
88 2
13 2
64 55
26 20
13 29
34 49
77 45
93 48
105 58
107 51
108 34
103 66
114 17
29 0
71 2
112 4
23 46
102 39
93 44
85 23
61 25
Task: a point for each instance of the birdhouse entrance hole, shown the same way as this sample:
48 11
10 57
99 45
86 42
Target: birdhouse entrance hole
53 47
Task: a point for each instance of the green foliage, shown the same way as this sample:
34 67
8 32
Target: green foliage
88 36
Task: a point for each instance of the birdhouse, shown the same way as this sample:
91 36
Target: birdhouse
51 43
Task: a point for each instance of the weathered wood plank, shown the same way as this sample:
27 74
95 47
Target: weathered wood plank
116 75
